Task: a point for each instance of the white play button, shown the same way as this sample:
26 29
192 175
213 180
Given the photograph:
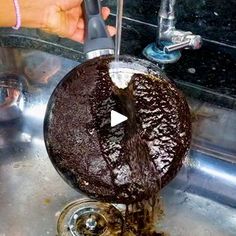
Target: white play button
117 118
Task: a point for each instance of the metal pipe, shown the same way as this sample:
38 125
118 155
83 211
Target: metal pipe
168 33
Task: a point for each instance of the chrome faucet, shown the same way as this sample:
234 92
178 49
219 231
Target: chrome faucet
170 40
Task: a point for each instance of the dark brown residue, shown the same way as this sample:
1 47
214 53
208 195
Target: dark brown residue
128 163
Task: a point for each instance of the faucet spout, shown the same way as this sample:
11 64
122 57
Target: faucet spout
166 20
167 9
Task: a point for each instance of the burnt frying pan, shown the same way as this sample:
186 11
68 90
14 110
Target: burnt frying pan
128 162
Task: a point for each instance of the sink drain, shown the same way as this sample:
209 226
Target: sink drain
89 217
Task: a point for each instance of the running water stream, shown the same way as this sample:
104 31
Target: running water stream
121 80
119 15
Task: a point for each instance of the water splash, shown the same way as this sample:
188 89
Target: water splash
119 15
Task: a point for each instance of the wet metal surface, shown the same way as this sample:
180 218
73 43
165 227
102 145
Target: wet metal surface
201 201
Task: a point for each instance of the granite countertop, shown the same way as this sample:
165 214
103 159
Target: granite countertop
211 69
208 73
208 67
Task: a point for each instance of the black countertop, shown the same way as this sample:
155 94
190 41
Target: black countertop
210 67
210 71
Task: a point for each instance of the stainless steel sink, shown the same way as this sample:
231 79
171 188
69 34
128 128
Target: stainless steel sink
200 201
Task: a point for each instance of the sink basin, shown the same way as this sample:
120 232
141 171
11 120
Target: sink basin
200 201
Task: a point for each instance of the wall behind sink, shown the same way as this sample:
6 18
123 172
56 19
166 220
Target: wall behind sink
212 19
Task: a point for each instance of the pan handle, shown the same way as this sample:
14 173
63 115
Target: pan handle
97 40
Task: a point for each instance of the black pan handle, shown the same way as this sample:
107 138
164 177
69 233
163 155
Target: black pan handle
97 40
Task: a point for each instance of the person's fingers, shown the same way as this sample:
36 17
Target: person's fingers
80 24
105 12
111 30
78 36
70 23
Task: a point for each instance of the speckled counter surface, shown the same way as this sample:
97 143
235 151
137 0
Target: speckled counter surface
36 39
207 74
212 73
207 67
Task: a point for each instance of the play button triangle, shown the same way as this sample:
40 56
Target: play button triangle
117 118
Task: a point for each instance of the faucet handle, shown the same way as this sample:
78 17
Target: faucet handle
189 41
195 41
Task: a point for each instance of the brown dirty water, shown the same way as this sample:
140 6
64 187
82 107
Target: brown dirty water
47 201
141 218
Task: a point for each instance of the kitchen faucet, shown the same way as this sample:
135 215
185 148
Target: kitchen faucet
170 40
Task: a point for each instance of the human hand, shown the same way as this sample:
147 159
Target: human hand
65 18
61 17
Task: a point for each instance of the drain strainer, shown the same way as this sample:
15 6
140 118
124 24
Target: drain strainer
86 217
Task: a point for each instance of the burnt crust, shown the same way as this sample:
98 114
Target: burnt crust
126 163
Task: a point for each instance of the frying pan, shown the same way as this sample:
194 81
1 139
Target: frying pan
128 162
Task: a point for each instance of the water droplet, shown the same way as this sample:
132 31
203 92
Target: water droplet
91 131
191 70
